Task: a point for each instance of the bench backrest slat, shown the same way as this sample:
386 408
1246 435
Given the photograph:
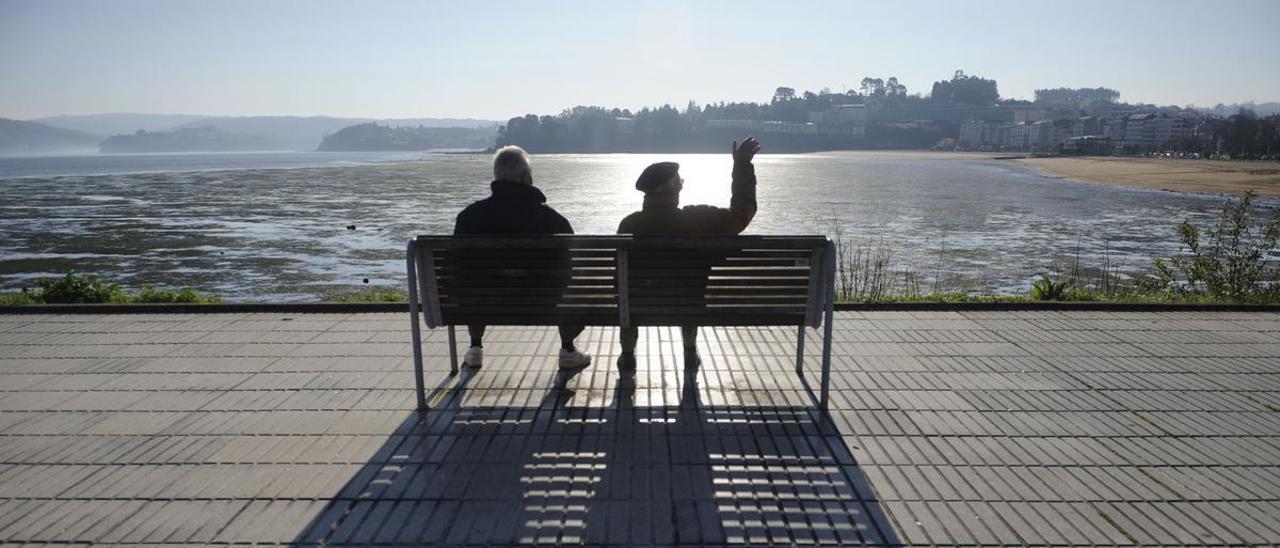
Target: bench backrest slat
621 280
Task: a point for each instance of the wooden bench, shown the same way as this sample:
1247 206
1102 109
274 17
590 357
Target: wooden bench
622 281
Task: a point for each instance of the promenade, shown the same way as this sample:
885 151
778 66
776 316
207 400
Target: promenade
1093 428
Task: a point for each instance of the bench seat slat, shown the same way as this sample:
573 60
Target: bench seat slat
599 319
662 291
611 242
558 273
525 302
719 301
636 319
721 282
588 291
534 282
717 319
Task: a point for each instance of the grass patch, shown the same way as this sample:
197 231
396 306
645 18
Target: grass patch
16 299
89 289
956 297
169 296
370 295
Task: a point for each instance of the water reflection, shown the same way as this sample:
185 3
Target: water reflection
281 234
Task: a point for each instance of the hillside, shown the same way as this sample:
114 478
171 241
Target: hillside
277 132
372 136
19 138
206 138
274 132
118 123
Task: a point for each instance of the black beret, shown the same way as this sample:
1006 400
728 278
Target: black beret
656 175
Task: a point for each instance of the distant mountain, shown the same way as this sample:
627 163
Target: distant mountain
18 138
372 136
306 133
119 123
299 133
278 132
206 138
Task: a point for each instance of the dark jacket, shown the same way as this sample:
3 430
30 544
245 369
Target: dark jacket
658 217
513 208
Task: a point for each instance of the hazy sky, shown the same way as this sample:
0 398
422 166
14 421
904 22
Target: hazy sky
496 59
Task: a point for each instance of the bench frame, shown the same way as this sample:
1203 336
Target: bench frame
424 297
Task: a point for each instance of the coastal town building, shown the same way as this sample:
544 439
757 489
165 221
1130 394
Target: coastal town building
624 125
1103 128
1018 137
983 135
930 112
792 128
1090 145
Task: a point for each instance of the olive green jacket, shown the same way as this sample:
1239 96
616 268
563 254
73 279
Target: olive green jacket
658 217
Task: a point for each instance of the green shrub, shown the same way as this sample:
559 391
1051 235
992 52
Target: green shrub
1228 260
73 288
1046 289
168 296
81 289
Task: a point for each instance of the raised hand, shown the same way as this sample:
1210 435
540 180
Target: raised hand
745 151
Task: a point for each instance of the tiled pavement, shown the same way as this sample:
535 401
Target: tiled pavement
974 428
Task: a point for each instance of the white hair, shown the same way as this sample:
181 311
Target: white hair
511 163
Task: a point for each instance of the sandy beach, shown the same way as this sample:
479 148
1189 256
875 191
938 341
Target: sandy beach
1207 176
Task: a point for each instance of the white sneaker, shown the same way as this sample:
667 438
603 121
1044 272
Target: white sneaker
574 359
474 357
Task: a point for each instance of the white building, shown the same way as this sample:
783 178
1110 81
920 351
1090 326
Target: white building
974 134
1170 129
1042 136
1139 132
789 127
624 125
1018 137
751 125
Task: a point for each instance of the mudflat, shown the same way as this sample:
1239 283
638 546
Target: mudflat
1206 176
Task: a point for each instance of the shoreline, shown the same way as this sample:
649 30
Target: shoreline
1217 177
1223 177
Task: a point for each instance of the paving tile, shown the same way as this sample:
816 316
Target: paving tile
949 428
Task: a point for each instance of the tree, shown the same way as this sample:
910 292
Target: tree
966 90
872 87
783 94
892 87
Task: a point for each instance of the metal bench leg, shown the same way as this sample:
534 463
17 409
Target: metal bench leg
453 352
824 401
415 329
800 351
417 355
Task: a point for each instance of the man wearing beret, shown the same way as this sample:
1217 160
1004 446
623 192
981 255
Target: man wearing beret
661 215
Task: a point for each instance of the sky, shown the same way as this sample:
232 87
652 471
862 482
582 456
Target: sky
498 59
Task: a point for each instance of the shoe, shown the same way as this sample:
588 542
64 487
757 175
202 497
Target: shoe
573 359
474 357
691 358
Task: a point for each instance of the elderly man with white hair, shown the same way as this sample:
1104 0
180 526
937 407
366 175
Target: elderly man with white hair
516 207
